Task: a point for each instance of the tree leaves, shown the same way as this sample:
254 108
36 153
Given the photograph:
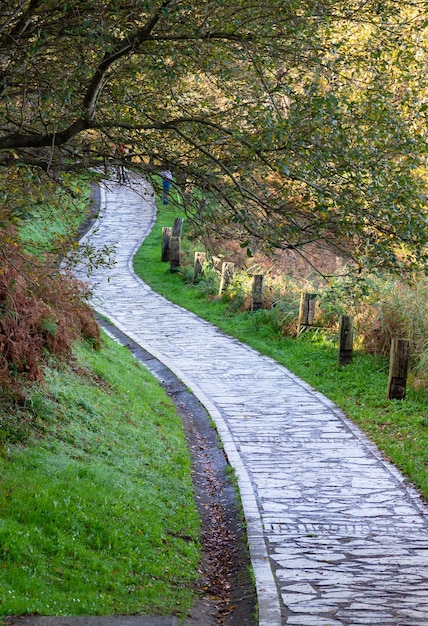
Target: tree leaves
302 121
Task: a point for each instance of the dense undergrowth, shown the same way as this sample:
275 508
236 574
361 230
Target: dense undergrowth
399 428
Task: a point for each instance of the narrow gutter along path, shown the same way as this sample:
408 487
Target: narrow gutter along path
336 535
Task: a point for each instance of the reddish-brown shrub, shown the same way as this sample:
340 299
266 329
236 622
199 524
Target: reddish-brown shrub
41 312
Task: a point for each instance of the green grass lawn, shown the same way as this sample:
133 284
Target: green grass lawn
48 225
399 428
97 514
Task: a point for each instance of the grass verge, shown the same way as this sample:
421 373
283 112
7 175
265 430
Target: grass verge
96 509
399 428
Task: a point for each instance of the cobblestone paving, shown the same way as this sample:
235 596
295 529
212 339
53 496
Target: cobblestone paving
337 537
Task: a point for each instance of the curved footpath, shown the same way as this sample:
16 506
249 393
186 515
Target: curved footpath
336 536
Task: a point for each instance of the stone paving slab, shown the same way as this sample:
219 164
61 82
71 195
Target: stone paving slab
336 535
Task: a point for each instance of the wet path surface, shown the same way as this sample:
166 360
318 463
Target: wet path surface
336 536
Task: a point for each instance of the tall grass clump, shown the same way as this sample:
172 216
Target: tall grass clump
402 312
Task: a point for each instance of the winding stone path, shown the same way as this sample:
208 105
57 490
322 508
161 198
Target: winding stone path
337 537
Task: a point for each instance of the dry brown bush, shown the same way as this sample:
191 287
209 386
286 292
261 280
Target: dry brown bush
381 308
400 313
41 313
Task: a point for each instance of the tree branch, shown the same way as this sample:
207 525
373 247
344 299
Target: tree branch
125 47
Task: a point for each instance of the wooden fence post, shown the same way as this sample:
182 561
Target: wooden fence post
216 263
166 242
227 272
257 292
399 360
177 227
198 267
346 339
175 253
307 311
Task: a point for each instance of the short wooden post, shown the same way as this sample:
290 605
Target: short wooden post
217 263
227 272
398 363
307 311
177 227
175 253
198 267
166 242
346 339
257 292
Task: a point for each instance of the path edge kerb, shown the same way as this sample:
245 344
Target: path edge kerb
267 592
267 595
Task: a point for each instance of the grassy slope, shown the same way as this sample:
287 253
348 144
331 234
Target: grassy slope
399 428
97 514
48 224
96 510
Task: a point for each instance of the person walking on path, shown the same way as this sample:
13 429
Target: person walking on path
122 151
166 182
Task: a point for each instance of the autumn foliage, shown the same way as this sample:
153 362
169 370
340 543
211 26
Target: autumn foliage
42 312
